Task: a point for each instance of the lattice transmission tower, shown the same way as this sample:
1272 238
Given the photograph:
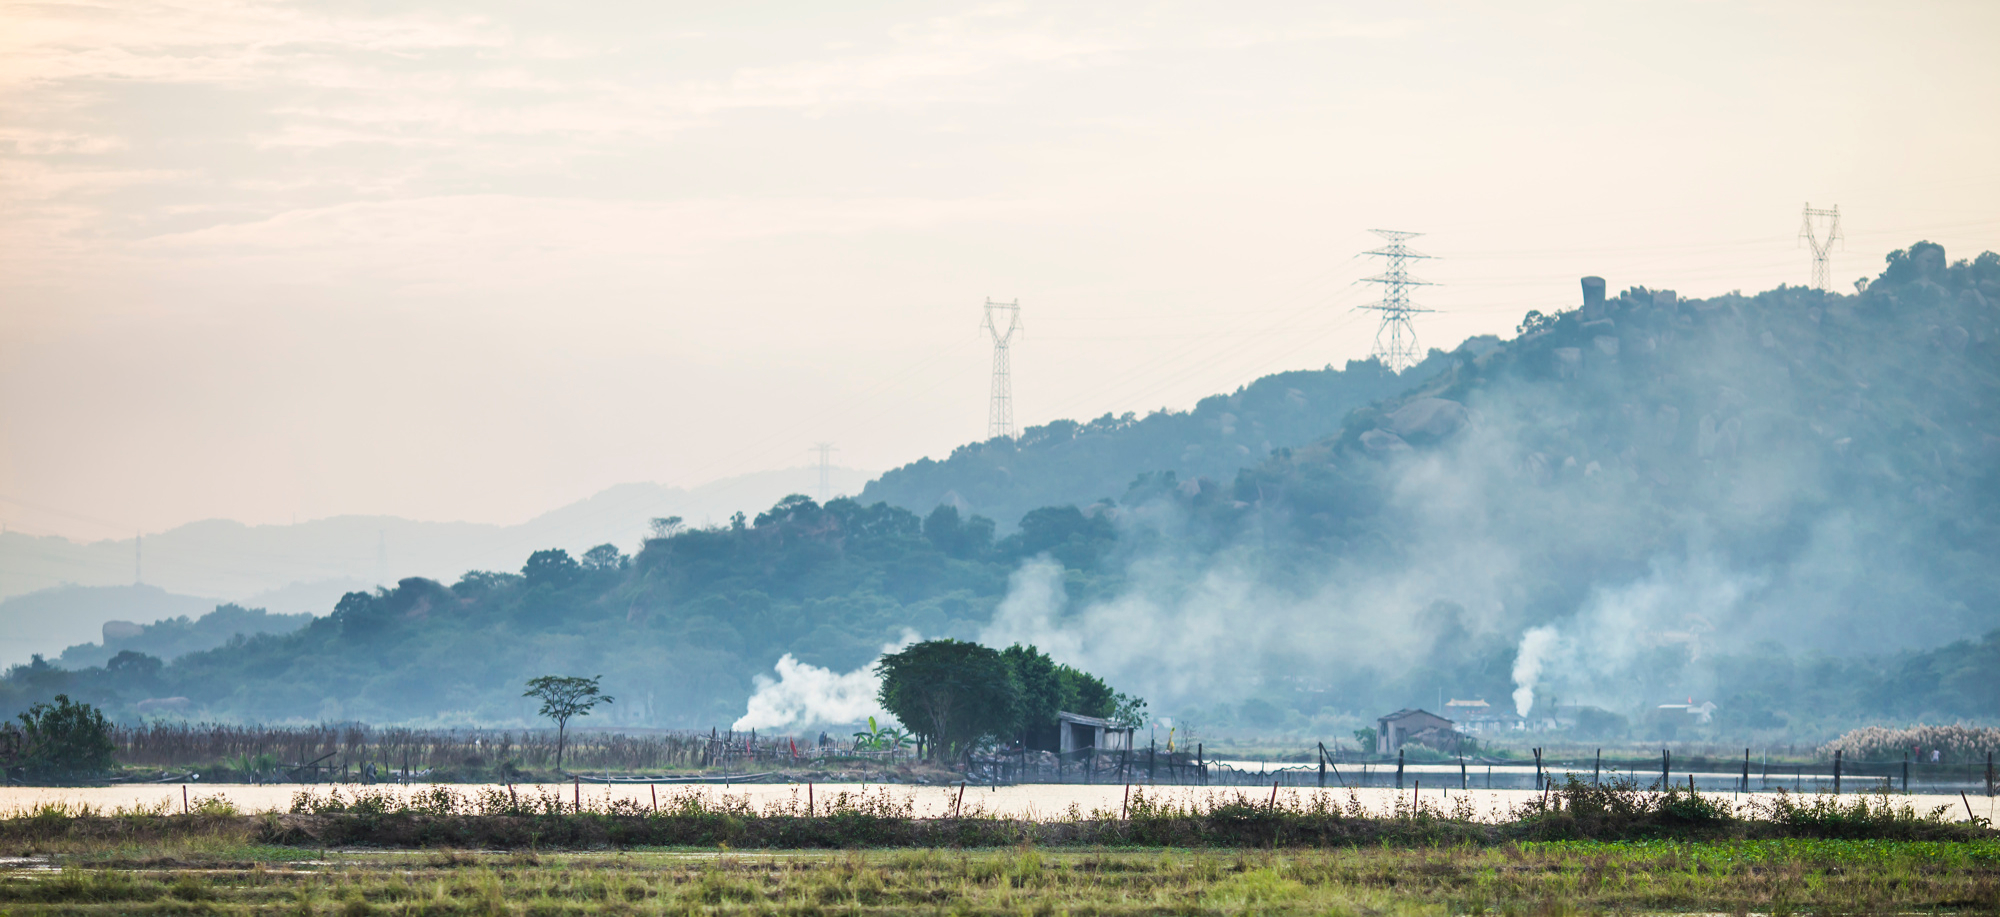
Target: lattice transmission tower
1819 230
1003 321
1396 338
825 452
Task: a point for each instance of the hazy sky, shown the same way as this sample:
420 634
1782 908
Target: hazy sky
474 260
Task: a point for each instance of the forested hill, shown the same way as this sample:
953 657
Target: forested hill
1651 498
1065 462
1785 504
1840 453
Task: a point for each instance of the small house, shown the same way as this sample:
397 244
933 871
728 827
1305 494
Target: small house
1081 733
1393 730
1701 714
1477 717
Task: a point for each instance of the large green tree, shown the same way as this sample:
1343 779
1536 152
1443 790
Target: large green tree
950 693
1047 687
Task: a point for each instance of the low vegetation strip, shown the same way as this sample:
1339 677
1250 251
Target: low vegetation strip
500 819
1771 877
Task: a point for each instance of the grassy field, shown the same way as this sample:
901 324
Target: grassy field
1774 877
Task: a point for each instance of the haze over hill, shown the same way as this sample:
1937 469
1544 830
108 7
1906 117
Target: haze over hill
1642 499
1784 502
55 592
47 621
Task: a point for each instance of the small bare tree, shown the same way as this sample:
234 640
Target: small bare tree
565 696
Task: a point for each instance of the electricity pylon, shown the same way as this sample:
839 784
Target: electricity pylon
1399 351
825 451
1003 320
1820 229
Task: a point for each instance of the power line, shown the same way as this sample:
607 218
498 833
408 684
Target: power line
1000 408
1819 229
1400 351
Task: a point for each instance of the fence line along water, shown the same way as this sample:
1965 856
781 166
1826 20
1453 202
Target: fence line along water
339 750
343 751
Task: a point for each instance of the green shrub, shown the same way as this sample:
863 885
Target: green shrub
63 740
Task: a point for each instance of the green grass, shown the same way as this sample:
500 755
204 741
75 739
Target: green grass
1773 877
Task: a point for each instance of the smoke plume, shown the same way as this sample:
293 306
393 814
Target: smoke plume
807 695
1535 646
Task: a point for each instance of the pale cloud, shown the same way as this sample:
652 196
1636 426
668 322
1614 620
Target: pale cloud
205 41
639 190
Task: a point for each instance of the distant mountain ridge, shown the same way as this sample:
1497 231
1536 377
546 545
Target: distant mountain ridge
171 638
306 567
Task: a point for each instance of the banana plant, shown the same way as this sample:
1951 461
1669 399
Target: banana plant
880 738
870 740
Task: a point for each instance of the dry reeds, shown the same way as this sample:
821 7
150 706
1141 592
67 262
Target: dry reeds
1959 744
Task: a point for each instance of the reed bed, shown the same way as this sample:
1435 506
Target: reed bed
1959 744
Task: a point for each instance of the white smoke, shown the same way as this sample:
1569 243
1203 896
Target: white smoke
1029 614
808 695
1468 534
1203 637
1680 606
1536 646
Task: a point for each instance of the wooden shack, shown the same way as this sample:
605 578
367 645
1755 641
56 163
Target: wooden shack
1393 730
1081 733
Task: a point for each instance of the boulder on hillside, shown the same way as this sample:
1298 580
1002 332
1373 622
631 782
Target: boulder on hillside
1427 420
1383 443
